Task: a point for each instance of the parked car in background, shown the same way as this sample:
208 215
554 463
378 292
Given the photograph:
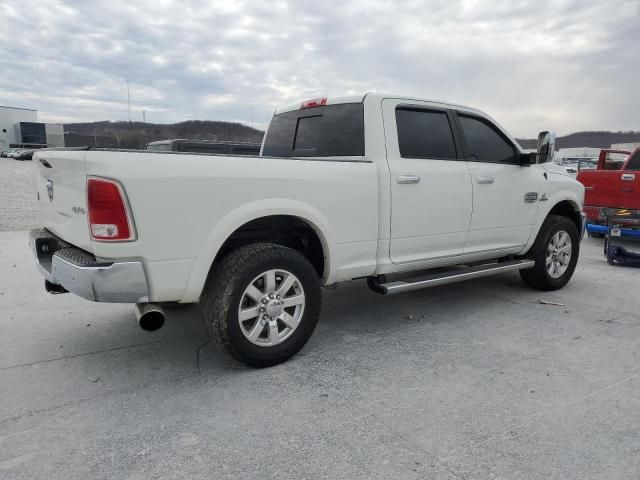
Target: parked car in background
204 146
573 164
366 186
571 167
614 184
24 155
587 164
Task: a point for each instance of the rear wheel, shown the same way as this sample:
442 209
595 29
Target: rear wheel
555 252
262 303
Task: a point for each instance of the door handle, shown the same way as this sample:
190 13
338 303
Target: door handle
485 180
628 177
406 179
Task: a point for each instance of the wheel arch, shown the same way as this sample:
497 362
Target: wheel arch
569 209
287 230
264 221
565 206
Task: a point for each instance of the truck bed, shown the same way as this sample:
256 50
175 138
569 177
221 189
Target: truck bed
183 203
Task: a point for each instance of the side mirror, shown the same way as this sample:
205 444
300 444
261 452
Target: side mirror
546 147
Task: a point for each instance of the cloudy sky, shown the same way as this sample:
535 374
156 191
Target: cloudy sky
567 65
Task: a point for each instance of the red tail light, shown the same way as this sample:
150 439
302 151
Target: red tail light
109 216
316 102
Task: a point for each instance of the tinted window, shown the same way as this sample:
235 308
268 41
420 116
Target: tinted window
634 161
245 150
334 130
614 161
424 134
33 133
484 143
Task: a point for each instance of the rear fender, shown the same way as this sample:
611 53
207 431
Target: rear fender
235 219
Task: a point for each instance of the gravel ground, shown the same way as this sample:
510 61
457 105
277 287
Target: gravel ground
19 209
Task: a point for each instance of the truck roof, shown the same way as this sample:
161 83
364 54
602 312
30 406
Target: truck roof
376 96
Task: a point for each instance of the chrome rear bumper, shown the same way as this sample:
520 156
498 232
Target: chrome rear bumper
81 273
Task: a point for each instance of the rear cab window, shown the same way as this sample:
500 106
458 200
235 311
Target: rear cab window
325 131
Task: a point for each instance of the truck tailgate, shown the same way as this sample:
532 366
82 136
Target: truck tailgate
61 187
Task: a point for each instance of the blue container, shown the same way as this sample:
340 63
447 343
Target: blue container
625 232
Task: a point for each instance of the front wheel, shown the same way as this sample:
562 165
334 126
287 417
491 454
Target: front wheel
555 252
262 303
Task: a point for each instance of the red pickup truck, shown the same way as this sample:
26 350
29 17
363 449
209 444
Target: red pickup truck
614 184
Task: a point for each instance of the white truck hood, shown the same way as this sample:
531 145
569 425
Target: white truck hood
552 167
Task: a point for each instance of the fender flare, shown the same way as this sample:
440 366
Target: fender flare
544 212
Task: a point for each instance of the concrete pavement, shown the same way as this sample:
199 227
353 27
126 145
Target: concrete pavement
468 381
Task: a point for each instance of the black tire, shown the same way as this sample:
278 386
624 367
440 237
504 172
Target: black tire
224 290
538 277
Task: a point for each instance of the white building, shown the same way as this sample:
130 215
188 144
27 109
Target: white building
55 134
629 147
10 118
20 127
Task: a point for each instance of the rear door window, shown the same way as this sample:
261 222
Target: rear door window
424 134
329 131
484 143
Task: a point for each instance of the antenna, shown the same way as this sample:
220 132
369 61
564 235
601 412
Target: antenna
129 100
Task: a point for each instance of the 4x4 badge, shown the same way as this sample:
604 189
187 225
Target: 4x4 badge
530 197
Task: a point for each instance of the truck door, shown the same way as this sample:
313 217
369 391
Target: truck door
505 193
430 183
618 188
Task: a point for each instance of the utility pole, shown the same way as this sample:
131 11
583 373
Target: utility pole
144 116
129 100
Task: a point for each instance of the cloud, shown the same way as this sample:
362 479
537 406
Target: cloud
567 65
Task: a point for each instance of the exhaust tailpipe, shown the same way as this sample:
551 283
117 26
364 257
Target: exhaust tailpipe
150 316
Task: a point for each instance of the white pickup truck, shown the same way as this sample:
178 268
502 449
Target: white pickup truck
404 192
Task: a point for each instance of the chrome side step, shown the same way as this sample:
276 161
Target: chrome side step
444 278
